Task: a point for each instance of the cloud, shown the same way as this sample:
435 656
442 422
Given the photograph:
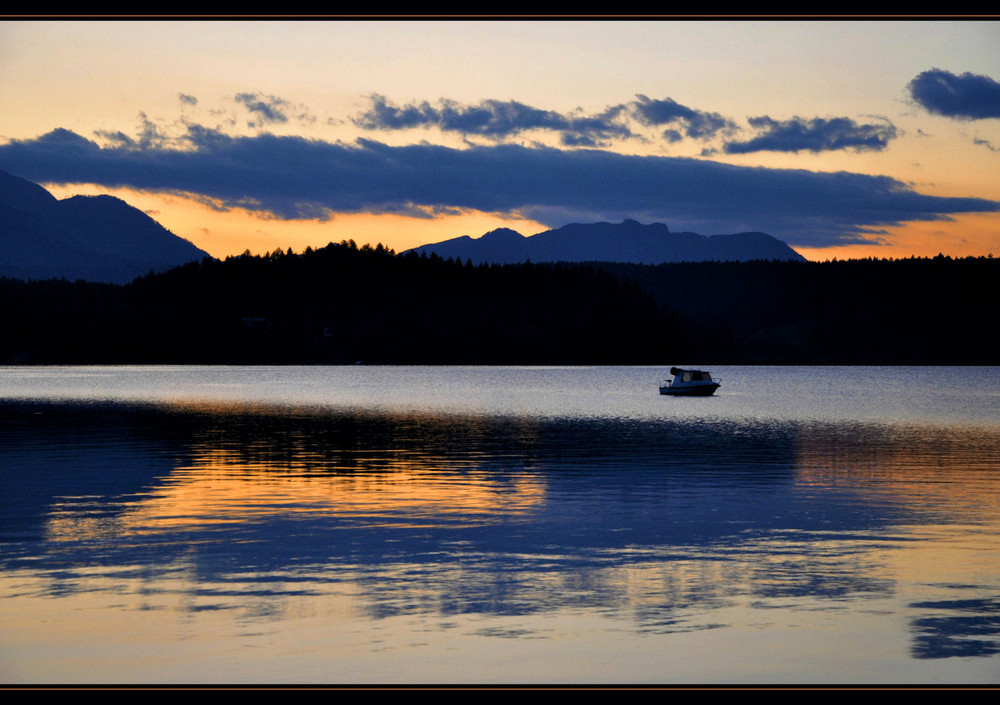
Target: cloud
493 119
266 110
150 136
269 110
186 99
293 177
985 143
696 123
500 120
815 135
964 97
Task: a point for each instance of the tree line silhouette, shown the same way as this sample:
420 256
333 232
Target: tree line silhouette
917 310
340 304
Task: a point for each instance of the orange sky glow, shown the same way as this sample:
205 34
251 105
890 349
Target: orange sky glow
151 111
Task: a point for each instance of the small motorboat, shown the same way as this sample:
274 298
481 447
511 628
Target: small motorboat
689 383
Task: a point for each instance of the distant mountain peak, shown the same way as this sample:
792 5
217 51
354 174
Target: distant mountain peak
629 223
629 241
97 238
502 234
23 195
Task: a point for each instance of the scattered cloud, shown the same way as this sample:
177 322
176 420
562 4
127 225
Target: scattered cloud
266 110
697 124
815 135
965 97
149 137
493 119
186 99
292 177
985 143
499 121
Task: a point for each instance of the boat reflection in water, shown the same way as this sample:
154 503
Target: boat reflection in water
208 540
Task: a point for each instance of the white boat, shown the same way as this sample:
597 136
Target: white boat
689 383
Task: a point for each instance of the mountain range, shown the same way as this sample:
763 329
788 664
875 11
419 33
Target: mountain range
104 239
628 241
95 238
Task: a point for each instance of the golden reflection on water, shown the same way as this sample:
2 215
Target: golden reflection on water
920 467
281 471
944 478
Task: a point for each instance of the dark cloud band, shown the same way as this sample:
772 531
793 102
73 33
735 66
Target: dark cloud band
292 177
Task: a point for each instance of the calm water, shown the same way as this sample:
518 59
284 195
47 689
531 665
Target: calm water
498 525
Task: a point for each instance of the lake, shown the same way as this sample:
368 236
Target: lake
499 525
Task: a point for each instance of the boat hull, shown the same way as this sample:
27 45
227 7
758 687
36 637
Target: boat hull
695 390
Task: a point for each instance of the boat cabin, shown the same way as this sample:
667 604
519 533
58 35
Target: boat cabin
690 375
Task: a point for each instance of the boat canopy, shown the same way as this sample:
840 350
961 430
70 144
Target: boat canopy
691 375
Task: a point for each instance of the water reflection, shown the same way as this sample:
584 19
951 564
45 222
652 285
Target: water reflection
665 528
959 628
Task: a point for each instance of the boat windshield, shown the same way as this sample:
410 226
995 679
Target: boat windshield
692 376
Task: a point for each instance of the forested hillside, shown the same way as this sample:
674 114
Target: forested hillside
342 304
936 310
339 304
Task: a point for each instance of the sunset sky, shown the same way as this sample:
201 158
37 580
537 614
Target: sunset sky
842 138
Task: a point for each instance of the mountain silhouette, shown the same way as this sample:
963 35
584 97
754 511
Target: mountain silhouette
628 241
95 238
